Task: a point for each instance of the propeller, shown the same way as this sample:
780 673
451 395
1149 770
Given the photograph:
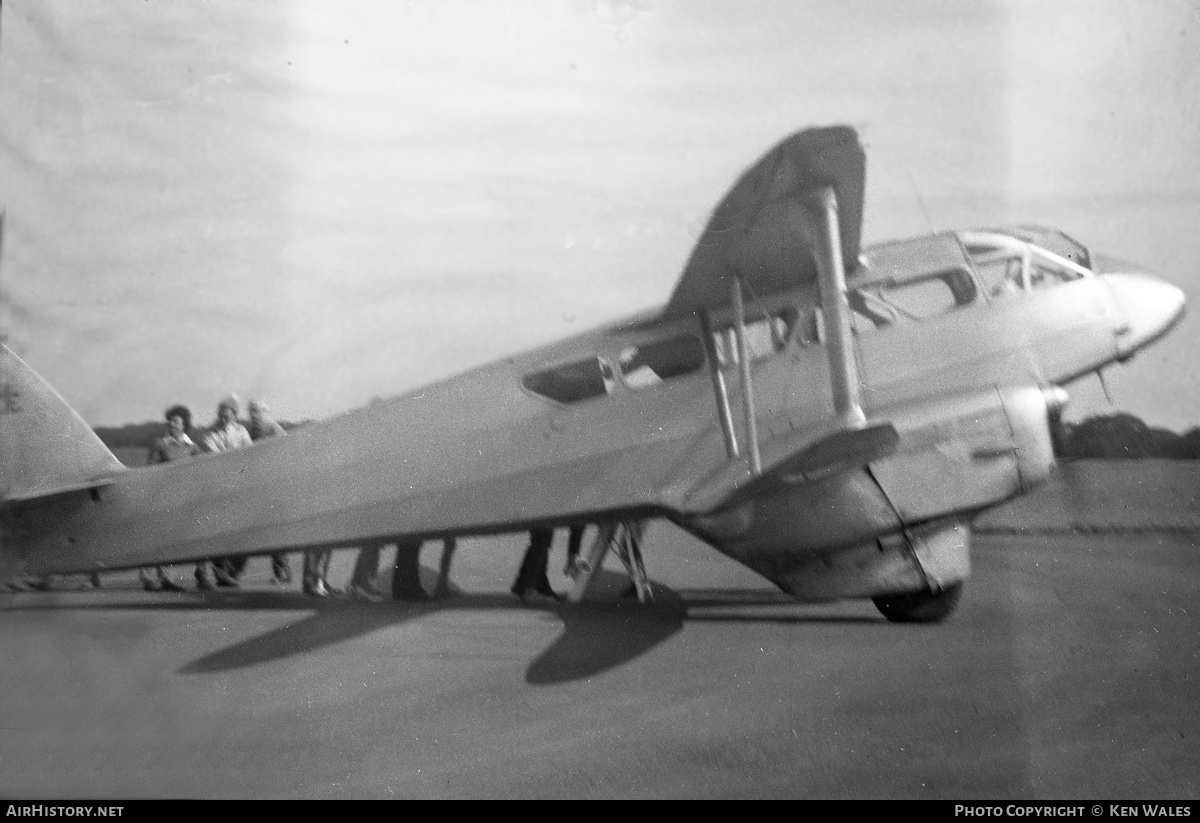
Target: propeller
1104 386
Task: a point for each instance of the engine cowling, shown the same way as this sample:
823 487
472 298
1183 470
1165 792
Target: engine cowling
969 452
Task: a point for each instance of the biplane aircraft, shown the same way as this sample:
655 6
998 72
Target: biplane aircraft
829 415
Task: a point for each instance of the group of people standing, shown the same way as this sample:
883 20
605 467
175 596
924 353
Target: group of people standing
225 434
228 433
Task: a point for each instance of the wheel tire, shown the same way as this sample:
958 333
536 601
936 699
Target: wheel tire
919 607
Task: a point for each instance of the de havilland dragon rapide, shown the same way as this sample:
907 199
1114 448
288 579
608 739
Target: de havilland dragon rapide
831 415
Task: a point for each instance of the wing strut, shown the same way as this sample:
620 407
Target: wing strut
719 391
831 278
624 539
843 366
739 315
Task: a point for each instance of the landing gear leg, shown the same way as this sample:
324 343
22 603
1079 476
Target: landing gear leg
628 546
940 551
624 539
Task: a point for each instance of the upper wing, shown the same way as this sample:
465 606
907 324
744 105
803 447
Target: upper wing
761 230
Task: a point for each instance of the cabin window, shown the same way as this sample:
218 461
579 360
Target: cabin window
650 364
913 300
764 337
572 382
926 298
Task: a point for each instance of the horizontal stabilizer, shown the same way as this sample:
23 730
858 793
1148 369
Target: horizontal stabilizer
800 458
44 491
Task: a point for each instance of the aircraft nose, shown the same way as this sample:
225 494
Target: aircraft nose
1151 307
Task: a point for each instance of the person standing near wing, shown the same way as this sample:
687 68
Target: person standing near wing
227 433
263 426
315 572
406 572
532 584
174 444
362 580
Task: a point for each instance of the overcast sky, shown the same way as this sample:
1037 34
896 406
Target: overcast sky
320 203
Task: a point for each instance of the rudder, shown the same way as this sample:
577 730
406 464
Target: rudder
45 446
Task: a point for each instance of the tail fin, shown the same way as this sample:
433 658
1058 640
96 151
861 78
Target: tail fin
45 447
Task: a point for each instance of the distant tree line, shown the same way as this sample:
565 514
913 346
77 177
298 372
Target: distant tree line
1123 436
143 435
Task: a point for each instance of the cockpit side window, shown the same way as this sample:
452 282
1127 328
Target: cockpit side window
1007 265
1056 242
1045 273
1000 272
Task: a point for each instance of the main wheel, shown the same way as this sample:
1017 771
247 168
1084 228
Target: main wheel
919 607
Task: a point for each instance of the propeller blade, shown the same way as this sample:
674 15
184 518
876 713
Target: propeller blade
1104 386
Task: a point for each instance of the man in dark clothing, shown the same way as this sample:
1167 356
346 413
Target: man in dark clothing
406 571
316 570
532 584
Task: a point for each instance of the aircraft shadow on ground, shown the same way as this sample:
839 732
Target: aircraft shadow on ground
596 636
609 629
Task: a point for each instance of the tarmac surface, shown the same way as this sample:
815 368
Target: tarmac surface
1070 670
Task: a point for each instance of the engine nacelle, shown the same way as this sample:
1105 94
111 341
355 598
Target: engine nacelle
899 524
969 452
